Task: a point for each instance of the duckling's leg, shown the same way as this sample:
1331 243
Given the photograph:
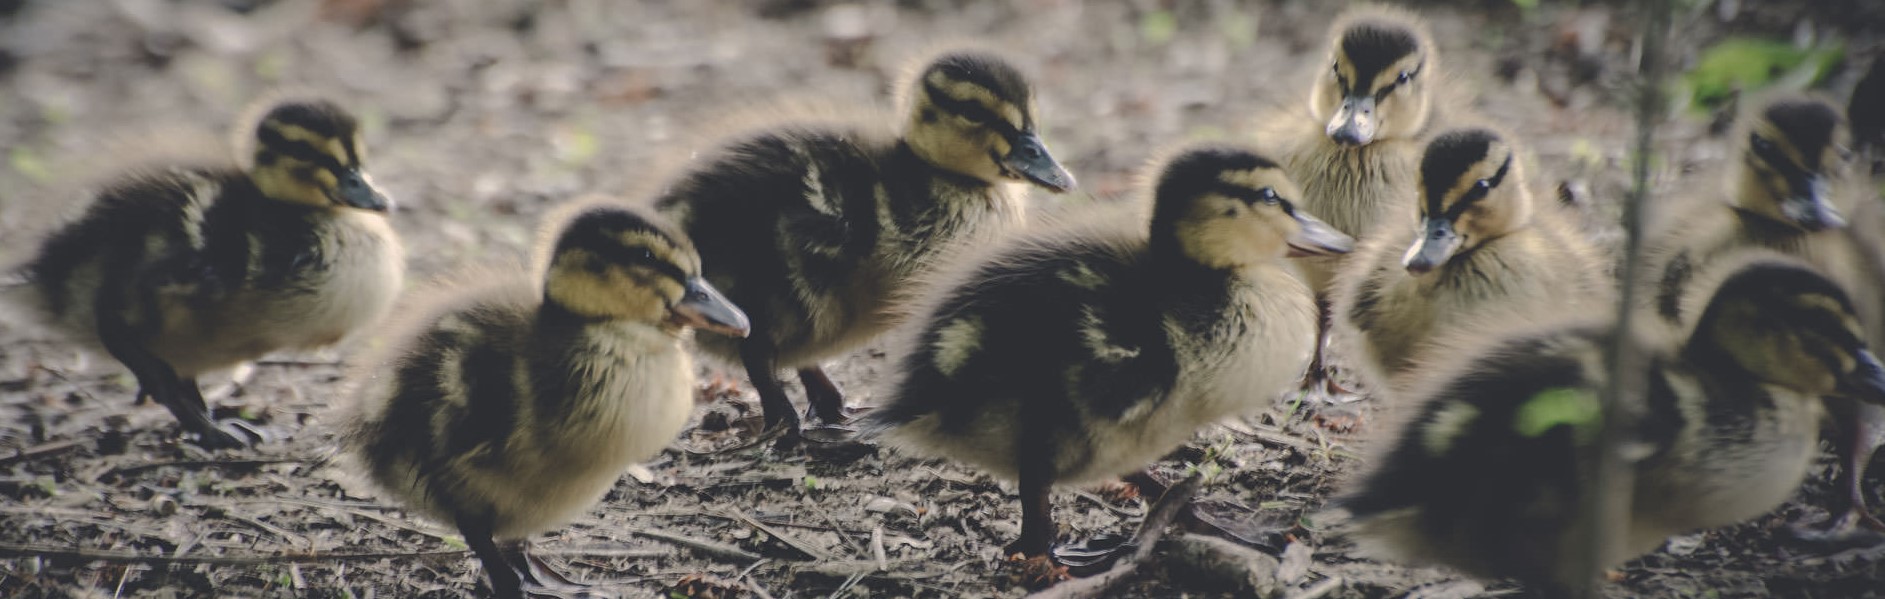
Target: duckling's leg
1861 431
158 379
1318 374
826 399
761 369
506 583
1036 479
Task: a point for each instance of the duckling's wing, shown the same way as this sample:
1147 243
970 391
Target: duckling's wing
1065 327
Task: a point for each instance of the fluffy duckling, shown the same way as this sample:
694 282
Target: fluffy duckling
189 268
813 229
1491 473
1786 193
1075 354
1481 249
1354 150
511 406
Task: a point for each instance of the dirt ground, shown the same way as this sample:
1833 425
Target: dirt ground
481 115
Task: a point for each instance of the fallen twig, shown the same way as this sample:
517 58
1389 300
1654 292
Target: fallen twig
40 451
712 548
811 551
123 470
1317 590
1160 518
95 555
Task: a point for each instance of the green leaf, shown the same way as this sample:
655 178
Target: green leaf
1748 64
1525 4
811 482
1559 406
1158 27
30 164
456 544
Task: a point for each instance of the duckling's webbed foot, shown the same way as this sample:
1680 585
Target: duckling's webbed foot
539 579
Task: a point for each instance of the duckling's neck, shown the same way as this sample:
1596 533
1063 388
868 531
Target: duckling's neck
554 316
905 161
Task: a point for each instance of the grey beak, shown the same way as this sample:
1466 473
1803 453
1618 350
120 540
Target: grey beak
1028 158
1866 382
1316 238
356 192
1354 124
704 308
1436 245
1810 208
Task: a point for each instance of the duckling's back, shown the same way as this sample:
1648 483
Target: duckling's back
813 228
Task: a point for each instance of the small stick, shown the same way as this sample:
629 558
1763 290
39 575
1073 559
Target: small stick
40 451
816 553
720 550
1317 590
123 470
93 555
877 549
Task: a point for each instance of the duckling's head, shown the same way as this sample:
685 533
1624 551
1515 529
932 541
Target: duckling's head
1786 324
1227 208
1471 191
309 151
972 113
612 262
1792 149
1376 84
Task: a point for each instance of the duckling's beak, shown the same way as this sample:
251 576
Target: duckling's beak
355 191
1028 158
1316 238
704 308
1866 382
1436 245
1808 206
1353 124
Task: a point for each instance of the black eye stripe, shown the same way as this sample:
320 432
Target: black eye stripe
969 109
620 254
273 140
1776 159
1474 195
1247 195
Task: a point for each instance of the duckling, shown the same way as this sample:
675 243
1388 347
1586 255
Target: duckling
508 407
190 268
813 229
1787 193
1354 149
1082 352
1490 474
1482 249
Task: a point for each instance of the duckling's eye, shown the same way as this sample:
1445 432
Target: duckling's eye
1760 143
646 255
1404 77
1482 184
1268 195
